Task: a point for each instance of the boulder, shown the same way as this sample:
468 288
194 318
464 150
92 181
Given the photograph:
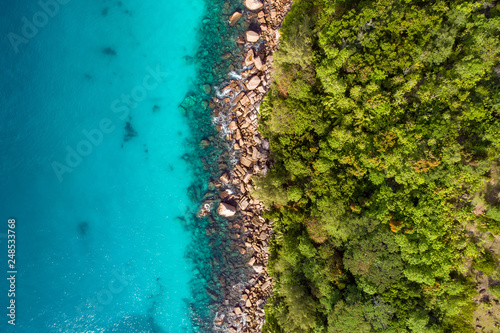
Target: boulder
224 194
252 36
258 63
265 144
255 154
235 18
265 285
246 179
253 83
253 4
233 125
205 209
226 210
258 269
225 178
244 204
245 101
245 161
249 59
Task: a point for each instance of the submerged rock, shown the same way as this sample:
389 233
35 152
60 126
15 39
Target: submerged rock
130 132
188 60
83 227
226 210
188 102
235 18
204 144
253 4
109 51
207 89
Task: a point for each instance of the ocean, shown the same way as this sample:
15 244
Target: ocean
93 166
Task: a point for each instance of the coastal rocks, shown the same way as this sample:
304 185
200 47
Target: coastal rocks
237 111
253 4
252 36
235 17
226 210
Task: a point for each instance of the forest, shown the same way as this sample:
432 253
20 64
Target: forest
384 123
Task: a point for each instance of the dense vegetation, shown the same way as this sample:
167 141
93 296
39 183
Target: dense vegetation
384 121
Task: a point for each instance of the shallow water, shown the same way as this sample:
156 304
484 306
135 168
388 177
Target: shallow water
92 142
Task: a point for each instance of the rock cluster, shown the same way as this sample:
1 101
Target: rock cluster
236 110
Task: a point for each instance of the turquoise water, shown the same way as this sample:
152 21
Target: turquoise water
92 169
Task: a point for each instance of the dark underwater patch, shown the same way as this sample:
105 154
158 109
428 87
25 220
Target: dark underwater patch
109 51
83 228
130 132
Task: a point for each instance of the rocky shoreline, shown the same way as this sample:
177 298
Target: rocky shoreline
236 112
